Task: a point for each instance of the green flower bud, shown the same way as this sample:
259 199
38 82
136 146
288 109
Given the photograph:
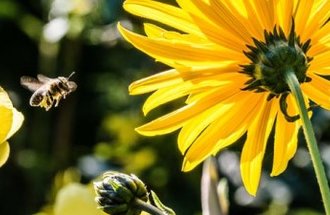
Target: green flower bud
117 192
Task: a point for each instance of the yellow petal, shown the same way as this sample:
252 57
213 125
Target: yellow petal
255 146
175 52
265 13
319 14
10 120
319 40
191 86
155 82
320 61
226 110
318 90
220 15
284 14
76 198
6 114
165 95
253 23
301 15
244 12
156 32
163 13
18 119
285 143
218 79
4 152
210 29
4 99
218 127
176 119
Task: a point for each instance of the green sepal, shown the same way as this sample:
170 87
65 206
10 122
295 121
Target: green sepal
155 201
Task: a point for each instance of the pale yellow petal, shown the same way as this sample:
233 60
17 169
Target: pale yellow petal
6 114
255 146
285 143
18 119
75 198
4 99
163 13
219 127
4 152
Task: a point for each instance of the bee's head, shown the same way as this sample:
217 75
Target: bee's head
68 85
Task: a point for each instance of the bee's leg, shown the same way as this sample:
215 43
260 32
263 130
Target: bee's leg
51 101
64 94
57 99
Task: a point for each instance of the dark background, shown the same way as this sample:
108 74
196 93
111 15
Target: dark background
93 129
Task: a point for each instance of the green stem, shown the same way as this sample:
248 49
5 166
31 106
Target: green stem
138 203
294 86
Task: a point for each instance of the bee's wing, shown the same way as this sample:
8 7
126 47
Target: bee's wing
43 78
30 83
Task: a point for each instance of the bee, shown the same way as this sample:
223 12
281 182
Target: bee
47 91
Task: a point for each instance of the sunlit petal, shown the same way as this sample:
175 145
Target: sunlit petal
318 91
255 146
220 127
286 139
164 13
199 54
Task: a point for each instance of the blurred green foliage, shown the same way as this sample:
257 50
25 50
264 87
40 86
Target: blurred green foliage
93 129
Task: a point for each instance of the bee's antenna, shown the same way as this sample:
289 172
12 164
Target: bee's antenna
71 74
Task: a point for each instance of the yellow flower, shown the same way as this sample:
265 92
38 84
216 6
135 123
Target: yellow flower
10 121
77 199
228 59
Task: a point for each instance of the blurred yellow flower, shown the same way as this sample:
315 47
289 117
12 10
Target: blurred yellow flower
228 59
76 199
10 121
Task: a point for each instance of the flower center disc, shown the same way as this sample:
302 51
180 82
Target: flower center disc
272 58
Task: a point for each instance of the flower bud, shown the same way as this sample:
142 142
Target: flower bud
117 193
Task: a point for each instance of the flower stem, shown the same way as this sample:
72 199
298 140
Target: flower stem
147 207
294 86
